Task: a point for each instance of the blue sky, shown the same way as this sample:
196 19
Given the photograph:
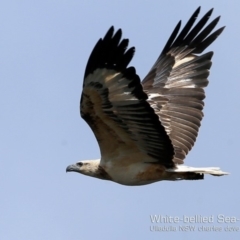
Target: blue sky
44 49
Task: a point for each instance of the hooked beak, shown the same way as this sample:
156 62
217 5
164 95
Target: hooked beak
72 168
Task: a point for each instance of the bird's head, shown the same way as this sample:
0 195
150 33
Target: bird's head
87 167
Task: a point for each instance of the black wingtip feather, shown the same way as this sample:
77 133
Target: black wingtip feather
196 37
110 52
208 41
194 32
201 36
186 28
171 38
109 34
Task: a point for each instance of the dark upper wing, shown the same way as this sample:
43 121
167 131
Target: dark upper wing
115 106
176 81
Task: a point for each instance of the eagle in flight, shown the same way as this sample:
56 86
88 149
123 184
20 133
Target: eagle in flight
146 129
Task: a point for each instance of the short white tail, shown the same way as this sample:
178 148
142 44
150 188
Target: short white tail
215 171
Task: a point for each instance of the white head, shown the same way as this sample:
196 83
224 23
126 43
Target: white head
86 167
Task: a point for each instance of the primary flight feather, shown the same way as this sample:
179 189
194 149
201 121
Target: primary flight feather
146 129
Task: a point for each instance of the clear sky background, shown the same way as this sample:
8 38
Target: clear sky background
44 47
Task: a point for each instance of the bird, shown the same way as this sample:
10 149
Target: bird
146 128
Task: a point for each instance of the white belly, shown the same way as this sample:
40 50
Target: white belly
136 174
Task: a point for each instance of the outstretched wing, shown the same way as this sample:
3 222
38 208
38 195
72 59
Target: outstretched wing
115 106
176 81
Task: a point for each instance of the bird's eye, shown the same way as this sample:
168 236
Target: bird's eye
79 164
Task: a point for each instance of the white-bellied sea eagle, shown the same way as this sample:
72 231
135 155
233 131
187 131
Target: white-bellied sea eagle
146 129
